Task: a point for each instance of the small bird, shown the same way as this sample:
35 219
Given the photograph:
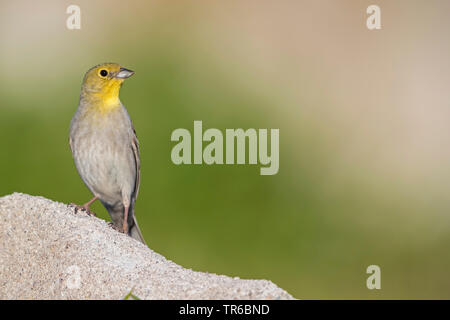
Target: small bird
105 148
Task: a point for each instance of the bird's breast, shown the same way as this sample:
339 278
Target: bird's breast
102 154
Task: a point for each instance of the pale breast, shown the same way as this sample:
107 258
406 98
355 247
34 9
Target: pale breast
103 155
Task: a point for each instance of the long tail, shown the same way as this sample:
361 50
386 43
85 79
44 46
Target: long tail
135 232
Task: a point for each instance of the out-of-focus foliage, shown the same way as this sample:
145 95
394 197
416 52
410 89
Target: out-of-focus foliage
364 170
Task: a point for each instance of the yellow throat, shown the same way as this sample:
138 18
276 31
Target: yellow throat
108 97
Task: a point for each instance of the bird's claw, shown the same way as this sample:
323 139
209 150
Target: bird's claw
112 225
82 208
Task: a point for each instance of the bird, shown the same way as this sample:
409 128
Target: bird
105 147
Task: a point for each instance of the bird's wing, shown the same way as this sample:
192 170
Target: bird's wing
135 147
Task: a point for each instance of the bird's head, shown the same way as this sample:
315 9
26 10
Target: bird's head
103 83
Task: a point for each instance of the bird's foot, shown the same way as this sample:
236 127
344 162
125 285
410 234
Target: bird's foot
112 225
84 208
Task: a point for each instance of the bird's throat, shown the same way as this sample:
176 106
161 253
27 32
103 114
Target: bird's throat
107 99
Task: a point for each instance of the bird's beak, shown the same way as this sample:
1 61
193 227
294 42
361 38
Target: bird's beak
124 73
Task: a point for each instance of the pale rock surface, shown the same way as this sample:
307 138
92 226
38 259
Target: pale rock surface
49 252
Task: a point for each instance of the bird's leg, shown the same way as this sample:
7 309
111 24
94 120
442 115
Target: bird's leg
85 206
125 220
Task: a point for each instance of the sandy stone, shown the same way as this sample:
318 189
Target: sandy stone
49 252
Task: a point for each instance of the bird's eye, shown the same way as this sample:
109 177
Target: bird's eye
103 73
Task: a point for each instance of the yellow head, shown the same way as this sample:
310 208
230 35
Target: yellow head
101 85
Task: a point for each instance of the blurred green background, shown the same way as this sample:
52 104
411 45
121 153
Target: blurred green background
363 118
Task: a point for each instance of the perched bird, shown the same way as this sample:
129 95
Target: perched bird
105 147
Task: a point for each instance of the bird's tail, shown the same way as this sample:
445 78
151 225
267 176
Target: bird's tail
116 212
135 232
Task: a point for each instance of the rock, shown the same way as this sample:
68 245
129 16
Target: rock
49 252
